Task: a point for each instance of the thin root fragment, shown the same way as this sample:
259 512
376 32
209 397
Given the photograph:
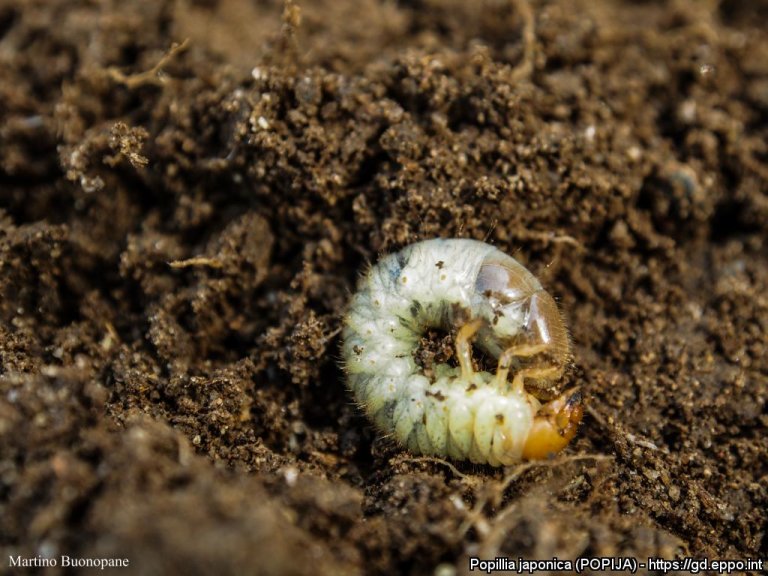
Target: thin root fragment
494 493
524 68
151 76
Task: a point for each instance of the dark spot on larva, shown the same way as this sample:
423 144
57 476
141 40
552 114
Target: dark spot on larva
386 413
394 270
424 419
401 259
495 320
440 264
415 308
357 349
459 315
412 443
361 385
443 276
500 418
436 395
471 387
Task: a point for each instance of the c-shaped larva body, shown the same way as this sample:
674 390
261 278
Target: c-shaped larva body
457 411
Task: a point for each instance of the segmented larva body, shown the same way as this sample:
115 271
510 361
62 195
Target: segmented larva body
457 411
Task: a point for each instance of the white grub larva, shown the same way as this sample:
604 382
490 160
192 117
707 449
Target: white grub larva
456 411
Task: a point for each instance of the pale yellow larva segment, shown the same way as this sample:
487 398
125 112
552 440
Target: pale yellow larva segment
486 424
439 271
403 421
461 423
499 452
409 410
372 360
412 443
381 390
452 450
514 415
422 438
436 416
475 454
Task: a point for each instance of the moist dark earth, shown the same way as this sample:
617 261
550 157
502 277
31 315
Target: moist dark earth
190 190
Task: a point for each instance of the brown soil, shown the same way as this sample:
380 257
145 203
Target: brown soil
181 229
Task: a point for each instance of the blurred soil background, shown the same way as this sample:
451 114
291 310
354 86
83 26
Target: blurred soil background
189 190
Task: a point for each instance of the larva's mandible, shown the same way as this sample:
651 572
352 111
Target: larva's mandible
457 411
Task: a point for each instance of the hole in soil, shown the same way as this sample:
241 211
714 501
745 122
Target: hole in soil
8 17
731 220
737 13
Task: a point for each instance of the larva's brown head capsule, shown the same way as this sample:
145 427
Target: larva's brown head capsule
554 426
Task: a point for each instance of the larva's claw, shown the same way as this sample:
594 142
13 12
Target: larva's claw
554 425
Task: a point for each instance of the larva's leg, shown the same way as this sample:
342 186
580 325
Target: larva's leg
505 361
464 347
554 425
543 372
